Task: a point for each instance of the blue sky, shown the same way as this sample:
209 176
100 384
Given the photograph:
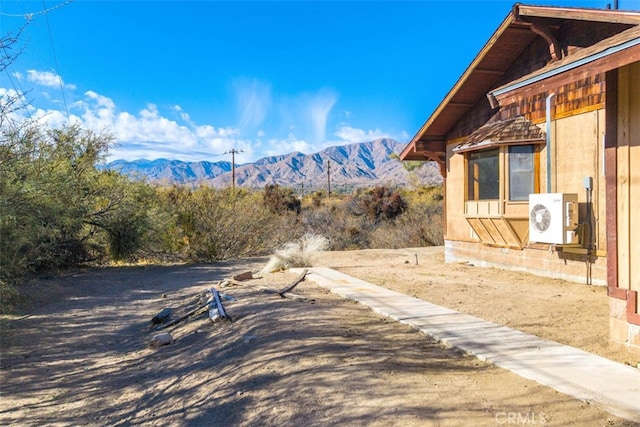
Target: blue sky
193 80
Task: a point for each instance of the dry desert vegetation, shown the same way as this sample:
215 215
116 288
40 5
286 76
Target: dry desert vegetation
79 354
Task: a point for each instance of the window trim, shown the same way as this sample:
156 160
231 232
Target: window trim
503 171
536 172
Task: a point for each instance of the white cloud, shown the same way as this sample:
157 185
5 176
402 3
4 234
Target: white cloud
277 146
254 101
348 134
319 107
352 135
101 101
268 125
307 114
150 134
54 118
184 116
47 79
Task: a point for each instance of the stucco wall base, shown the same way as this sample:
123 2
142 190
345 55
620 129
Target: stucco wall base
621 331
535 261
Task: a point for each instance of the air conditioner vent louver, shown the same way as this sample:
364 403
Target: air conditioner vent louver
553 218
540 218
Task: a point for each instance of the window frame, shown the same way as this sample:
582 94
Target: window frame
503 173
473 180
535 172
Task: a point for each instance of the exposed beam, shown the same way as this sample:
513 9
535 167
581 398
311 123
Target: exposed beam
546 33
439 158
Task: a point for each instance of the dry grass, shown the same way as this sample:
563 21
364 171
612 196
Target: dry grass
296 254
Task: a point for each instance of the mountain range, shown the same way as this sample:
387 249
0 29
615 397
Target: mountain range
362 164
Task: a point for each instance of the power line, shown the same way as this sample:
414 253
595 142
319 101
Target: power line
233 152
29 16
55 61
328 178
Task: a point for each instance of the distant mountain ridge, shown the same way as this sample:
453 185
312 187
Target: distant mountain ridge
354 165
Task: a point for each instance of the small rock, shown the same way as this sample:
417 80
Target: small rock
160 340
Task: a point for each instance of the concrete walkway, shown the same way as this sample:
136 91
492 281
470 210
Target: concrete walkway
612 386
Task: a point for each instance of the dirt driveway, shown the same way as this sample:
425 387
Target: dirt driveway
79 356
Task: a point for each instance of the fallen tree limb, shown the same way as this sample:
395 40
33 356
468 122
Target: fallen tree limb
293 284
181 318
286 291
289 295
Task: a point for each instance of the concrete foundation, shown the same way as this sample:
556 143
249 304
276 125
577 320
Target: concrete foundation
622 331
545 263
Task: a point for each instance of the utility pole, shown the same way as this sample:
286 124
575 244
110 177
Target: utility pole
233 152
328 178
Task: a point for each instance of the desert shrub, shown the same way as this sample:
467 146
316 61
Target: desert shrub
379 218
210 224
378 203
60 208
125 219
420 225
336 222
279 199
316 198
297 253
53 193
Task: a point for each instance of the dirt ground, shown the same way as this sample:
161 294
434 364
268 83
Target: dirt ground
79 354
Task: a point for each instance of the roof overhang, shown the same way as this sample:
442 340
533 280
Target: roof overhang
615 52
512 36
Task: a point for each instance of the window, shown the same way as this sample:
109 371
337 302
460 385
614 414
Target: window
483 174
521 172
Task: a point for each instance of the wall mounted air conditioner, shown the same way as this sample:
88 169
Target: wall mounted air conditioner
553 218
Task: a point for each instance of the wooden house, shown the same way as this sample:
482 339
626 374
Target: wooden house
537 142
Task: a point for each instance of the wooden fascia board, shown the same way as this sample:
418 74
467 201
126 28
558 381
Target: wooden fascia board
602 65
465 76
593 15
